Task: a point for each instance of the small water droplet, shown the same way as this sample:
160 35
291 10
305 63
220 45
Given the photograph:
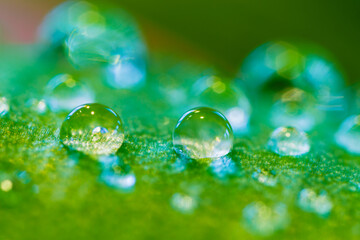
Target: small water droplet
289 141
183 203
203 133
348 135
77 131
36 105
261 219
63 92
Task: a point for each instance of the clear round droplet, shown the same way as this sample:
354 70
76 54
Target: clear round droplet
4 106
289 141
93 129
295 107
212 91
64 93
348 135
203 133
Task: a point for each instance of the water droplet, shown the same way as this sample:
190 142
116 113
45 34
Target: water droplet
311 202
295 108
63 92
203 133
289 141
4 106
348 135
264 220
183 203
92 129
212 91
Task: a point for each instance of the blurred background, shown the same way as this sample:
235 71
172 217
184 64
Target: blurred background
220 32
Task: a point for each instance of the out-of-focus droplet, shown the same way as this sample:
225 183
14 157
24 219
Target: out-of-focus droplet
270 59
289 141
4 106
311 202
263 220
183 203
123 182
64 93
37 105
67 17
93 129
173 81
223 167
203 133
214 92
6 185
127 72
266 178
348 135
295 107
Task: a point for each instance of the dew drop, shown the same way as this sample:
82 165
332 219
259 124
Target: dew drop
203 133
93 129
348 135
289 141
64 93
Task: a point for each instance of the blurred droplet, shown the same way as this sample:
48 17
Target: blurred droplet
311 202
183 203
261 219
214 92
64 93
348 135
223 167
289 141
265 178
4 106
65 18
296 108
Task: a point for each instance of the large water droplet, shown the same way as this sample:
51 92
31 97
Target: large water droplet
93 129
64 93
212 91
289 141
295 108
348 135
203 133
